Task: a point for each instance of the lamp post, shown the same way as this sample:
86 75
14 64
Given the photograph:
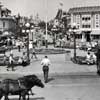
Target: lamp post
73 29
32 31
27 25
46 38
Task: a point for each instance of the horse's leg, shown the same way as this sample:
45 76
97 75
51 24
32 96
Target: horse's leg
98 68
19 96
1 95
28 96
6 97
24 97
31 92
23 94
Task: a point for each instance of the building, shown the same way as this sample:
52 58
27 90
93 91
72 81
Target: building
7 22
87 20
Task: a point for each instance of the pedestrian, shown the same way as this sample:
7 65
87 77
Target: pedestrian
34 53
18 45
11 63
5 57
30 46
45 63
11 52
24 59
8 41
20 60
89 58
94 58
98 60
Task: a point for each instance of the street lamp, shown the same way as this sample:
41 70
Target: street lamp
73 29
27 27
32 31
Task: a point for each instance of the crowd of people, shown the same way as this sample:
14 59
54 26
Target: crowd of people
23 60
90 58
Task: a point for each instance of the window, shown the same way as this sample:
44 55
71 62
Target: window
86 26
97 22
3 24
82 26
89 26
88 18
97 16
83 18
97 26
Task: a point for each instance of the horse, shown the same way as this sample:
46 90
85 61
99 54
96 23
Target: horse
20 86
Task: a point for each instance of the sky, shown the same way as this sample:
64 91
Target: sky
44 7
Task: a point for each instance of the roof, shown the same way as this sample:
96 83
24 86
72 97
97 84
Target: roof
59 14
6 9
84 9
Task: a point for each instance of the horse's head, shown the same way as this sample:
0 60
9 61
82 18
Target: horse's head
38 83
35 80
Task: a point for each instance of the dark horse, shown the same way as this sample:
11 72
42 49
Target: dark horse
20 87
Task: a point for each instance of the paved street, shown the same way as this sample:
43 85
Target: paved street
60 63
67 81
52 28
69 87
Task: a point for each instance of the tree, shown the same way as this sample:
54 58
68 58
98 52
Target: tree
42 24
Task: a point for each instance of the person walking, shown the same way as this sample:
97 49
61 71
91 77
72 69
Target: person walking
34 53
24 59
30 47
45 63
18 46
11 63
32 50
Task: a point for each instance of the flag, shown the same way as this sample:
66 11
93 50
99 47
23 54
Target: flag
61 4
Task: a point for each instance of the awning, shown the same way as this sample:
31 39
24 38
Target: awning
95 32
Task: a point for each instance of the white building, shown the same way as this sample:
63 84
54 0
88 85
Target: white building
7 22
88 21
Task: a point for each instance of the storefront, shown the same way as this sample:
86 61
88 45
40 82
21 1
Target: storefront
95 34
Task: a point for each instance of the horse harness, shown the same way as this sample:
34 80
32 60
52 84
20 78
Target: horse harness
8 81
19 83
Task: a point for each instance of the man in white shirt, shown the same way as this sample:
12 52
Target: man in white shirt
32 50
89 58
11 63
45 62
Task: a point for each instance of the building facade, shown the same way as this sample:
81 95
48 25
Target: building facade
87 20
7 22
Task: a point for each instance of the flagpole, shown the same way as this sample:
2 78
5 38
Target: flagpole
46 29
46 34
